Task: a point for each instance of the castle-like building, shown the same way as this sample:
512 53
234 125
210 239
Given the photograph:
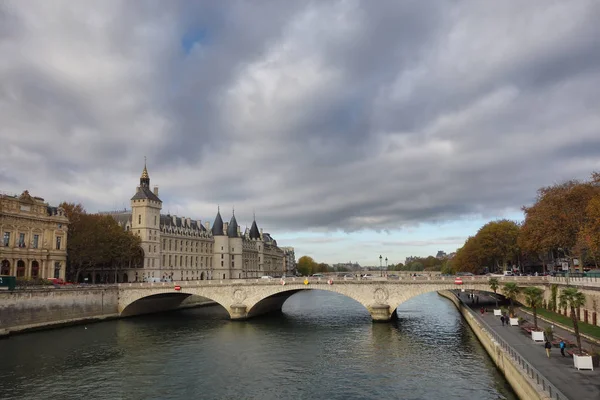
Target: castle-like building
177 248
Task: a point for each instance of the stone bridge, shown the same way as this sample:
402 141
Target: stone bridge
246 298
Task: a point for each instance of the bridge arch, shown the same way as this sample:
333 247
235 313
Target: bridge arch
248 298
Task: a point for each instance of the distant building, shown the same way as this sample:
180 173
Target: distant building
441 255
350 266
289 261
34 237
179 248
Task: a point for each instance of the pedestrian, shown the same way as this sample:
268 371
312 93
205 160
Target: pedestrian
562 346
482 310
548 346
502 319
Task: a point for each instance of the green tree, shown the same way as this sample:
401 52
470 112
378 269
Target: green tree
534 298
573 299
511 291
494 284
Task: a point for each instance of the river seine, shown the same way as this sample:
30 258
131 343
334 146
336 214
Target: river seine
323 346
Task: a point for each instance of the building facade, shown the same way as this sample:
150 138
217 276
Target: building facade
178 248
289 261
34 237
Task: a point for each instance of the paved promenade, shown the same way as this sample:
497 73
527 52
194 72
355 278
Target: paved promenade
577 385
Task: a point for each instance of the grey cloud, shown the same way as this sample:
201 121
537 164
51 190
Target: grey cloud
320 116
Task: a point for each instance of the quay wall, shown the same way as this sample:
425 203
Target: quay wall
43 308
523 386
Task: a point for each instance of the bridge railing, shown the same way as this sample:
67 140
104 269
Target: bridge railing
535 375
325 280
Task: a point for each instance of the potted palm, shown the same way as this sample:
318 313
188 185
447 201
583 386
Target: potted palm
572 299
533 298
493 282
511 291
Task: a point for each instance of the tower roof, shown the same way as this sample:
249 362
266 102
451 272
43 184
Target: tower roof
254 232
232 228
217 228
144 191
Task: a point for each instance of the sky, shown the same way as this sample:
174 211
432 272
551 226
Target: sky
352 129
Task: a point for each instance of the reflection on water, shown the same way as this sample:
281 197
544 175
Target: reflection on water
323 346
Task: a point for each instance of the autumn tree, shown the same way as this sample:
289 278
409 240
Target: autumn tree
497 242
554 222
97 241
590 232
306 265
468 257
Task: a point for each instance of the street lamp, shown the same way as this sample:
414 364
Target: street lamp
386 266
380 270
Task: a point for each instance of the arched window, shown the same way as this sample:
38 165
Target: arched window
20 268
35 269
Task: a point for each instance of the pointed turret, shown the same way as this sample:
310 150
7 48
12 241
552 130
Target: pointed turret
217 228
232 229
254 232
145 178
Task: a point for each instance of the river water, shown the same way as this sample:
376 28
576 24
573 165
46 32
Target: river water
323 346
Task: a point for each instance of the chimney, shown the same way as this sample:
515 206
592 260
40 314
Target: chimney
225 226
174 218
156 190
188 222
199 224
207 225
137 190
260 231
239 231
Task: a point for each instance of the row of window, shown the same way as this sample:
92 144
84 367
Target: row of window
21 241
204 247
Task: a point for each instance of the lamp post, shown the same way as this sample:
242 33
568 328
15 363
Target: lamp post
386 266
380 261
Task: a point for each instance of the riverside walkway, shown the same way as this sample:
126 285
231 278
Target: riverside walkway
558 370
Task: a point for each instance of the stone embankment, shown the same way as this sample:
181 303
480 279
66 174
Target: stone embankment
49 307
524 386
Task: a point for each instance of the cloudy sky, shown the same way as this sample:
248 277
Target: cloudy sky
352 128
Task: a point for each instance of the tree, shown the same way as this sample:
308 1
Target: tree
590 232
306 265
468 257
553 297
556 218
97 241
574 299
494 284
497 242
511 291
534 298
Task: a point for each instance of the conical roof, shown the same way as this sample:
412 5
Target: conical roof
254 232
217 228
232 228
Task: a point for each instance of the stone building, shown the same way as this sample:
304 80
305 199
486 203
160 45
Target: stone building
34 237
289 261
179 248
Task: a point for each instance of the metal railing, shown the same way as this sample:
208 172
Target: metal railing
532 373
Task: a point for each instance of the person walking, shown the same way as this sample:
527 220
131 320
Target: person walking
562 346
548 346
502 319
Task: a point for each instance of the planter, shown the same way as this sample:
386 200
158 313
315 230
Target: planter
514 321
583 362
537 336
497 313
